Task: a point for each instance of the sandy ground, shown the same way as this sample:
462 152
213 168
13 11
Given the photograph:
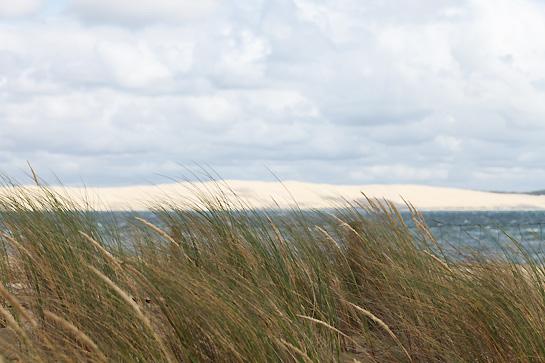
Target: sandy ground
271 194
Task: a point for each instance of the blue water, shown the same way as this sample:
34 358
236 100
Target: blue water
490 232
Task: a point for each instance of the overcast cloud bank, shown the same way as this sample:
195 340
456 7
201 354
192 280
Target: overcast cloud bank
431 92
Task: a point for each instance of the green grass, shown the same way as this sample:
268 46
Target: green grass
227 283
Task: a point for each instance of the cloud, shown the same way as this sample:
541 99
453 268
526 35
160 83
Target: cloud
140 12
434 92
9 9
133 65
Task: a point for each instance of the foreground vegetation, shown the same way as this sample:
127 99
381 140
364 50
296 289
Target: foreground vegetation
227 283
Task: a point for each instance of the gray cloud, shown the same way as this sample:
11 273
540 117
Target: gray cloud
434 92
141 13
14 9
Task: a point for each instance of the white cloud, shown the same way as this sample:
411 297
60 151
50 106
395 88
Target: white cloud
133 65
141 11
450 143
243 56
435 91
18 8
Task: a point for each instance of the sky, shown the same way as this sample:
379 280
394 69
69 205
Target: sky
121 92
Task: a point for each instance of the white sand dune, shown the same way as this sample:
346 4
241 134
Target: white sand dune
307 195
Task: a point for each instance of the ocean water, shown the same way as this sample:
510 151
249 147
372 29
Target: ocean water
490 232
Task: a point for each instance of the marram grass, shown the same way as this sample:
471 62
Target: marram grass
228 284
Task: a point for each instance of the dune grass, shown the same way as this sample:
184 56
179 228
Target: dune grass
227 283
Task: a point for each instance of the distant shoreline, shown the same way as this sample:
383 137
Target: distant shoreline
535 192
288 194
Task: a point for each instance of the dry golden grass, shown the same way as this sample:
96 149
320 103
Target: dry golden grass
233 284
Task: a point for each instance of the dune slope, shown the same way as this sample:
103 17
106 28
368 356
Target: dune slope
307 195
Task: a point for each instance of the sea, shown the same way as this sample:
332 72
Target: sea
491 233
